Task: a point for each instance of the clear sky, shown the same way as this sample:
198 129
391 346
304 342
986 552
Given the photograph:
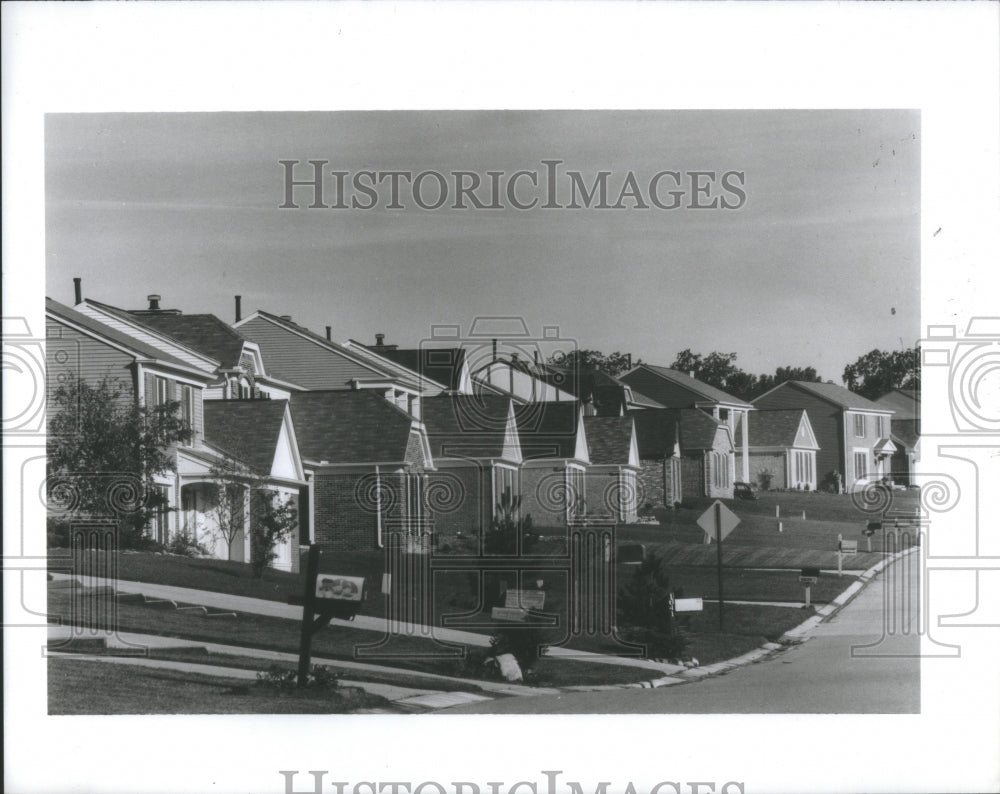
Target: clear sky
818 266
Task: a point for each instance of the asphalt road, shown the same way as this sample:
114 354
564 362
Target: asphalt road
831 673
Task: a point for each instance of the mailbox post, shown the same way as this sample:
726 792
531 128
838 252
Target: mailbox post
845 548
325 596
809 577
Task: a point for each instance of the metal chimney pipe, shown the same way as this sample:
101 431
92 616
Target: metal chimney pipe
78 289
494 349
239 314
329 332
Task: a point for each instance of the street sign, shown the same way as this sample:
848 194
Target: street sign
340 588
688 605
727 521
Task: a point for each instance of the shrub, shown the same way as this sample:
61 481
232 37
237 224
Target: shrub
644 601
501 537
185 545
320 679
765 477
659 644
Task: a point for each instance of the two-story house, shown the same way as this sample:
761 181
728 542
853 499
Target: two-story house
674 389
853 433
905 431
658 434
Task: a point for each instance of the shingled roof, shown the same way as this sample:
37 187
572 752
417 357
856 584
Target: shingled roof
467 426
702 390
656 431
905 402
248 430
698 429
776 428
350 427
609 439
137 346
442 365
548 429
832 393
906 432
203 333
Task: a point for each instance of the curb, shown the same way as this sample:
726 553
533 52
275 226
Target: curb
792 637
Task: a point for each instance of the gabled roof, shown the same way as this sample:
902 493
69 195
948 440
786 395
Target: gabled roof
778 428
247 430
698 429
548 429
702 391
204 333
905 432
135 346
442 365
656 431
368 362
832 393
350 427
905 402
609 439
461 425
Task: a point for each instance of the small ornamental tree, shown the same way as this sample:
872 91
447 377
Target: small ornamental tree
105 452
245 498
643 611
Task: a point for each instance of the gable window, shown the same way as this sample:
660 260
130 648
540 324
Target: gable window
859 425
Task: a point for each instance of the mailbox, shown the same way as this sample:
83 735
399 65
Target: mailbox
340 596
872 528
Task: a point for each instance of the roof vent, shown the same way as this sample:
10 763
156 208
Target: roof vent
154 302
379 340
286 317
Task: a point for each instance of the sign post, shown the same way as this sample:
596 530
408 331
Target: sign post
809 577
717 522
326 596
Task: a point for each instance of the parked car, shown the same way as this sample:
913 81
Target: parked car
744 490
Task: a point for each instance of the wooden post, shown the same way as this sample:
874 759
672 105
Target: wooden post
308 611
808 589
840 556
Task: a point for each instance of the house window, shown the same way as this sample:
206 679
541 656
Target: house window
159 528
860 465
503 480
187 410
159 395
859 425
881 426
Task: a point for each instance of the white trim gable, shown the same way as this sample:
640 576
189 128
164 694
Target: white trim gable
804 436
581 452
511 441
286 463
633 449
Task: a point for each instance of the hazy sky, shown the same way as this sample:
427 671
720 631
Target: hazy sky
820 265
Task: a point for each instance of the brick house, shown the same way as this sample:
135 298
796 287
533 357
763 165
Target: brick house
553 474
612 477
708 460
783 449
657 433
368 461
674 389
446 366
852 432
477 457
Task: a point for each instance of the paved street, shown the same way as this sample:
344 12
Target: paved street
819 676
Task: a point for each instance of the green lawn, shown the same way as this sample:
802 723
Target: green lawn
78 686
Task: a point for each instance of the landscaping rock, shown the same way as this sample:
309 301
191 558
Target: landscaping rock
509 668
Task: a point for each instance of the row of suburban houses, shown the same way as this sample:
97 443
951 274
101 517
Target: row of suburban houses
373 439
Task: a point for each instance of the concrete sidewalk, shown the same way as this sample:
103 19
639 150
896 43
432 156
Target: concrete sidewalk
259 606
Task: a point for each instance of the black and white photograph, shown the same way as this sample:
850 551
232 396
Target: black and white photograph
358 410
